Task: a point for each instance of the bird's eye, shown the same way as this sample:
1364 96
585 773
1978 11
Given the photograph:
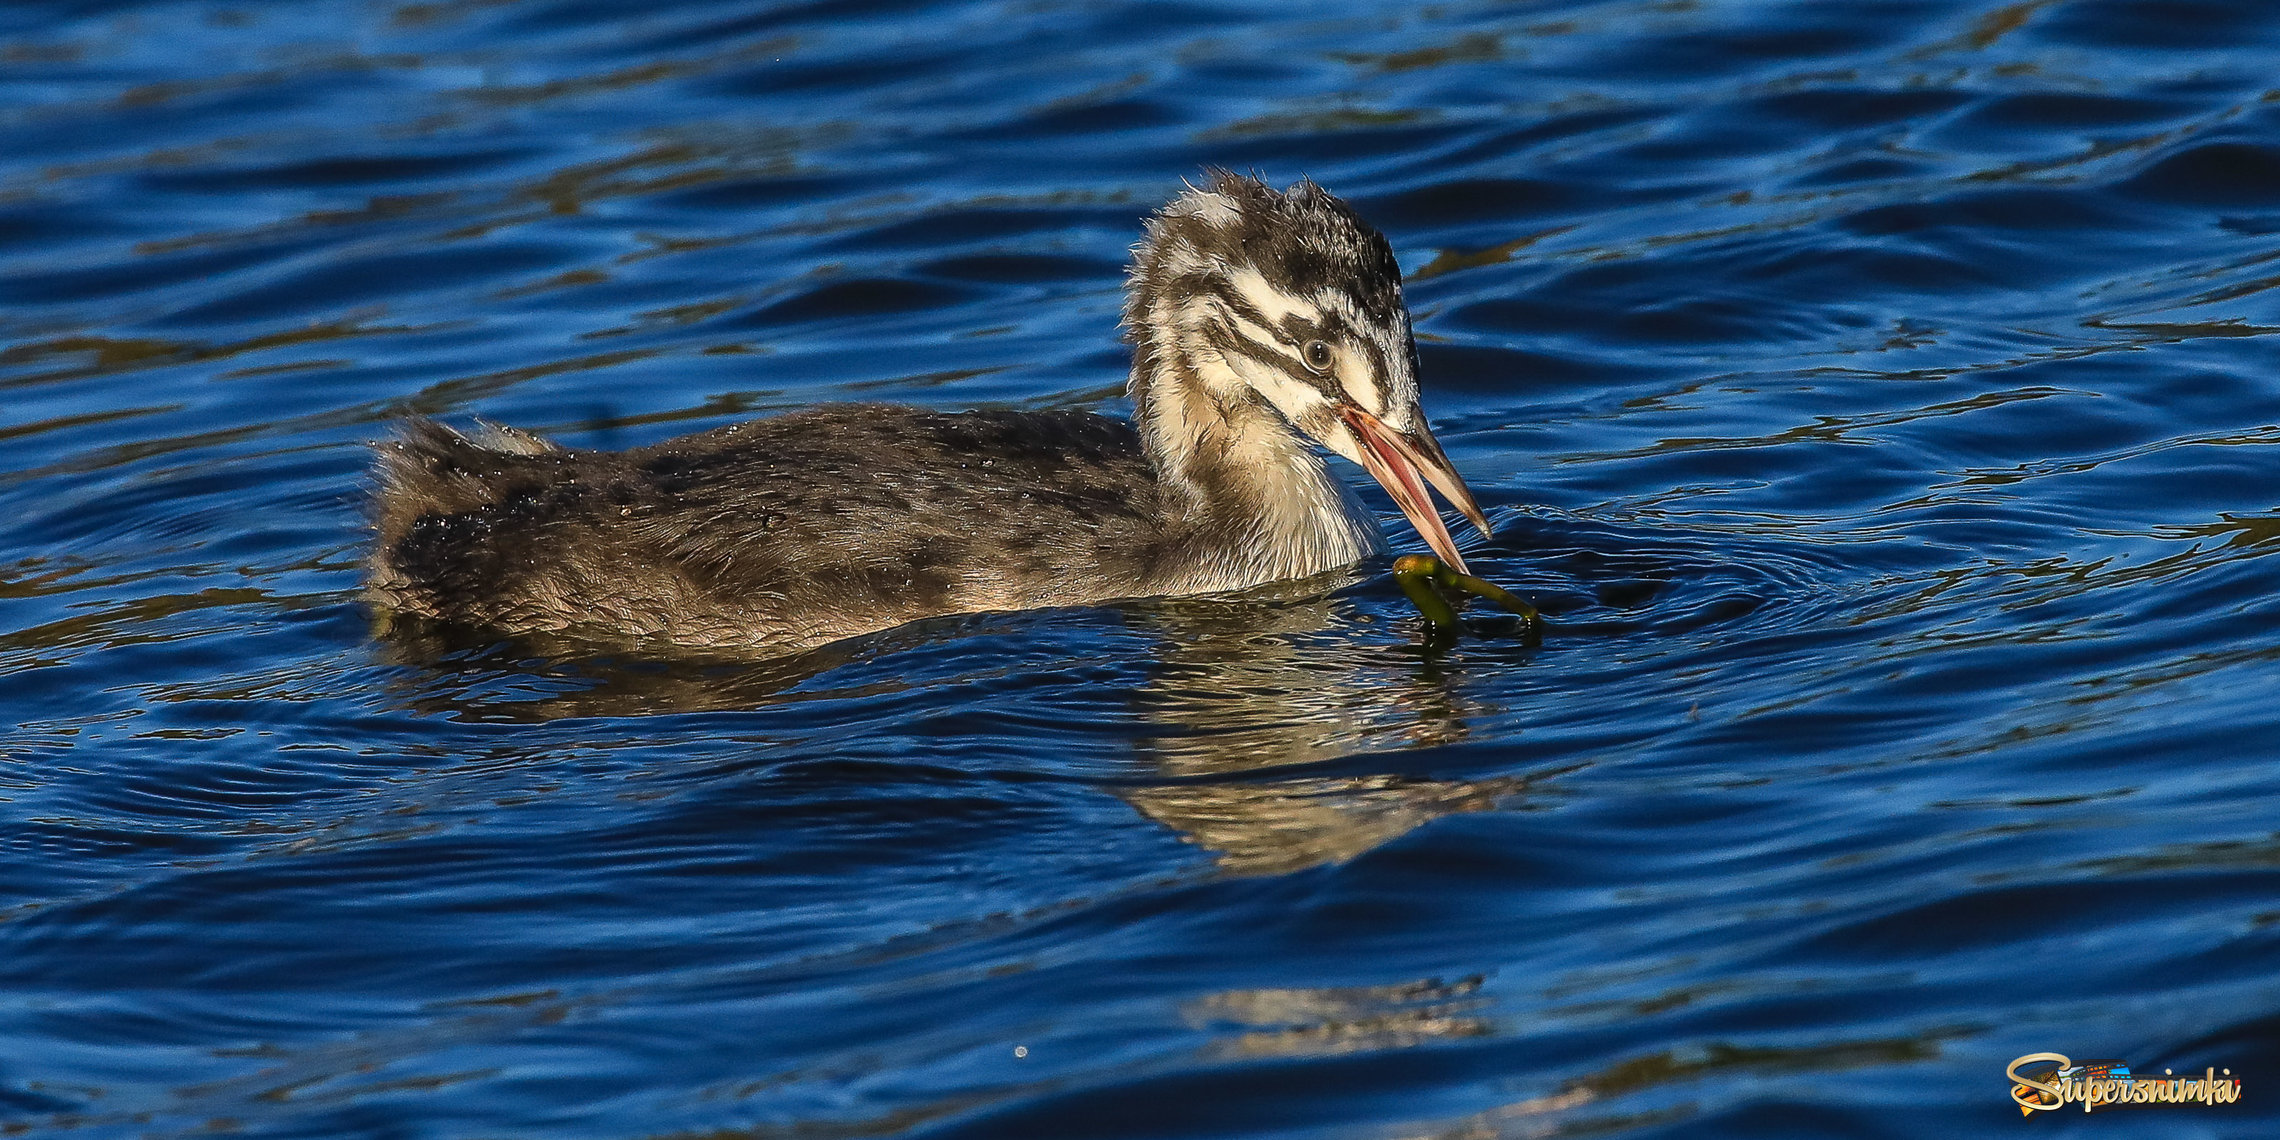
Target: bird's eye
1318 355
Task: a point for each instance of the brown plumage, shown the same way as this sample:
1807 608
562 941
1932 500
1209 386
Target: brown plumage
1259 319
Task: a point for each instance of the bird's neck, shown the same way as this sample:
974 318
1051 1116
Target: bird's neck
1262 503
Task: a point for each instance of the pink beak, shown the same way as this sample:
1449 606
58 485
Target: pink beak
1404 463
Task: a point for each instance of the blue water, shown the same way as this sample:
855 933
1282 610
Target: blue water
1880 399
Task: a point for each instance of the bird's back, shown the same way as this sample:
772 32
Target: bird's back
773 534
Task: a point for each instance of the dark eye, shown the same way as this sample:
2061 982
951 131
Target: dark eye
1318 355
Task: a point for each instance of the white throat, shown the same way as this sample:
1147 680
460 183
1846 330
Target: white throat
1240 463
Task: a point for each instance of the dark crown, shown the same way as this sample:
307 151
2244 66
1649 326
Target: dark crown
1302 241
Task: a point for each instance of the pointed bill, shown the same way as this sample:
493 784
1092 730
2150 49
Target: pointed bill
1404 464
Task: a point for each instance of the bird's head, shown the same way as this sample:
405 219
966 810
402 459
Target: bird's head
1290 302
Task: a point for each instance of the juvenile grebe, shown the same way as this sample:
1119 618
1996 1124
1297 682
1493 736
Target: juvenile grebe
1259 319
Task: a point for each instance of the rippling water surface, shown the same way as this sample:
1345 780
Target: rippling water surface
1878 396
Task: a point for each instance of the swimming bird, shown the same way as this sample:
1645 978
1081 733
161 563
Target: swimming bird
1260 320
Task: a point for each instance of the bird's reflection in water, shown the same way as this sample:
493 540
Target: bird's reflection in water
1251 688
1251 701
1319 1021
472 675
